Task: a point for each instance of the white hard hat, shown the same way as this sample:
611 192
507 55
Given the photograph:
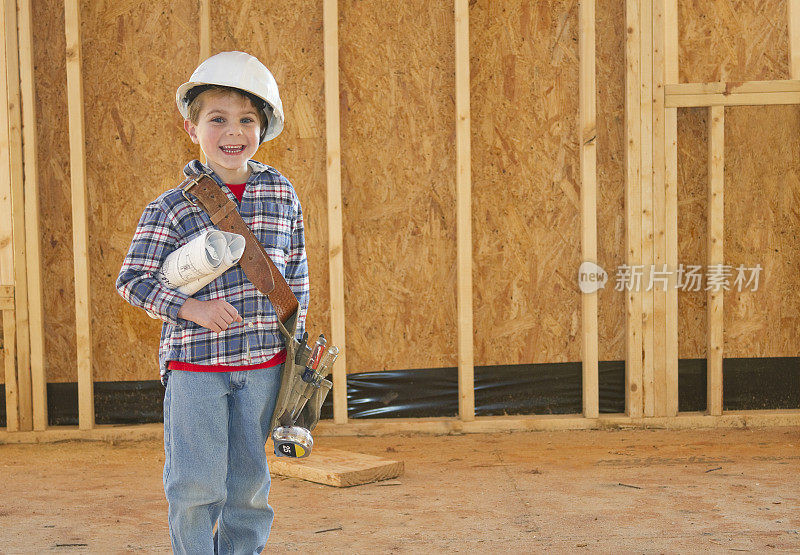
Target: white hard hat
241 71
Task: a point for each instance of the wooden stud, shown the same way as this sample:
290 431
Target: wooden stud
14 102
793 7
80 217
7 245
205 29
466 363
659 214
335 241
646 121
587 92
671 213
633 212
716 233
32 228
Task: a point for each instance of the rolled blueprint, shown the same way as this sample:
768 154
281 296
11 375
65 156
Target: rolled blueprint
200 261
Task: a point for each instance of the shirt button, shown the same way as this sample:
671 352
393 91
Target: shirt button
250 324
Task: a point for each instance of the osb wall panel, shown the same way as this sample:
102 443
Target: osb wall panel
733 41
724 40
398 183
134 57
762 226
610 41
692 211
525 171
287 36
55 218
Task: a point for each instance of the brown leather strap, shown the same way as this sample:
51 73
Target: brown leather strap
256 263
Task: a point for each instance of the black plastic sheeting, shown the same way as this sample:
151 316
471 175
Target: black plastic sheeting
749 384
513 389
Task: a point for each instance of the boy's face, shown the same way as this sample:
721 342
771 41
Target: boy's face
228 131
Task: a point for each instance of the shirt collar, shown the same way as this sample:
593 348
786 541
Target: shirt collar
195 167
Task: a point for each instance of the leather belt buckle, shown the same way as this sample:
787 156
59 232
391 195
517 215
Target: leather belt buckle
189 185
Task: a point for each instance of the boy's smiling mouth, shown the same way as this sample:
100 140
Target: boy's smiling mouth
232 149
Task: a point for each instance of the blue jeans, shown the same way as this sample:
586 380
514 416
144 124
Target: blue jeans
216 425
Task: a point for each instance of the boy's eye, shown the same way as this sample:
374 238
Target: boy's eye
247 120
218 119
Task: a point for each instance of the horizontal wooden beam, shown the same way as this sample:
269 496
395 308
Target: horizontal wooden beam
481 424
743 93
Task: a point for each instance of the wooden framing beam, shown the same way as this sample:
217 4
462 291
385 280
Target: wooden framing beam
793 8
466 363
32 228
646 122
746 93
633 211
330 18
205 29
716 234
440 426
587 92
671 76
659 214
80 216
13 106
7 243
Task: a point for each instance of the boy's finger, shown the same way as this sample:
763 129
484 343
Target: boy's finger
233 312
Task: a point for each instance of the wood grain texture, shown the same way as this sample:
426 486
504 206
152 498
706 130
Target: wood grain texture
136 149
733 41
337 468
610 32
55 240
715 256
398 183
525 170
587 124
466 348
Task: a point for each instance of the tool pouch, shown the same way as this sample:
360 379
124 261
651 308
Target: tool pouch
292 382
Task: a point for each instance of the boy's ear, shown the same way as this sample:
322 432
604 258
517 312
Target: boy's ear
191 129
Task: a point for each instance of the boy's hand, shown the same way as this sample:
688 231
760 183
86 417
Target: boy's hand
215 315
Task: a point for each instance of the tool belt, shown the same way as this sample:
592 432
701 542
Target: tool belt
262 272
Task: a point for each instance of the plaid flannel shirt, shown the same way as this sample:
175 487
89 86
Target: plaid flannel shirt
271 209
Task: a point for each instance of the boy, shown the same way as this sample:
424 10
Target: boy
221 350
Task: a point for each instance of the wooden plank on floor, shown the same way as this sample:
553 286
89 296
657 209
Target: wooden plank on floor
633 212
337 468
587 92
466 363
646 94
80 216
716 233
32 227
671 213
334 179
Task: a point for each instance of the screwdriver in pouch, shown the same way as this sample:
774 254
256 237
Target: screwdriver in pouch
314 359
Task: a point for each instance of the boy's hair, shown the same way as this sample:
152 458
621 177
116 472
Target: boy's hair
195 104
